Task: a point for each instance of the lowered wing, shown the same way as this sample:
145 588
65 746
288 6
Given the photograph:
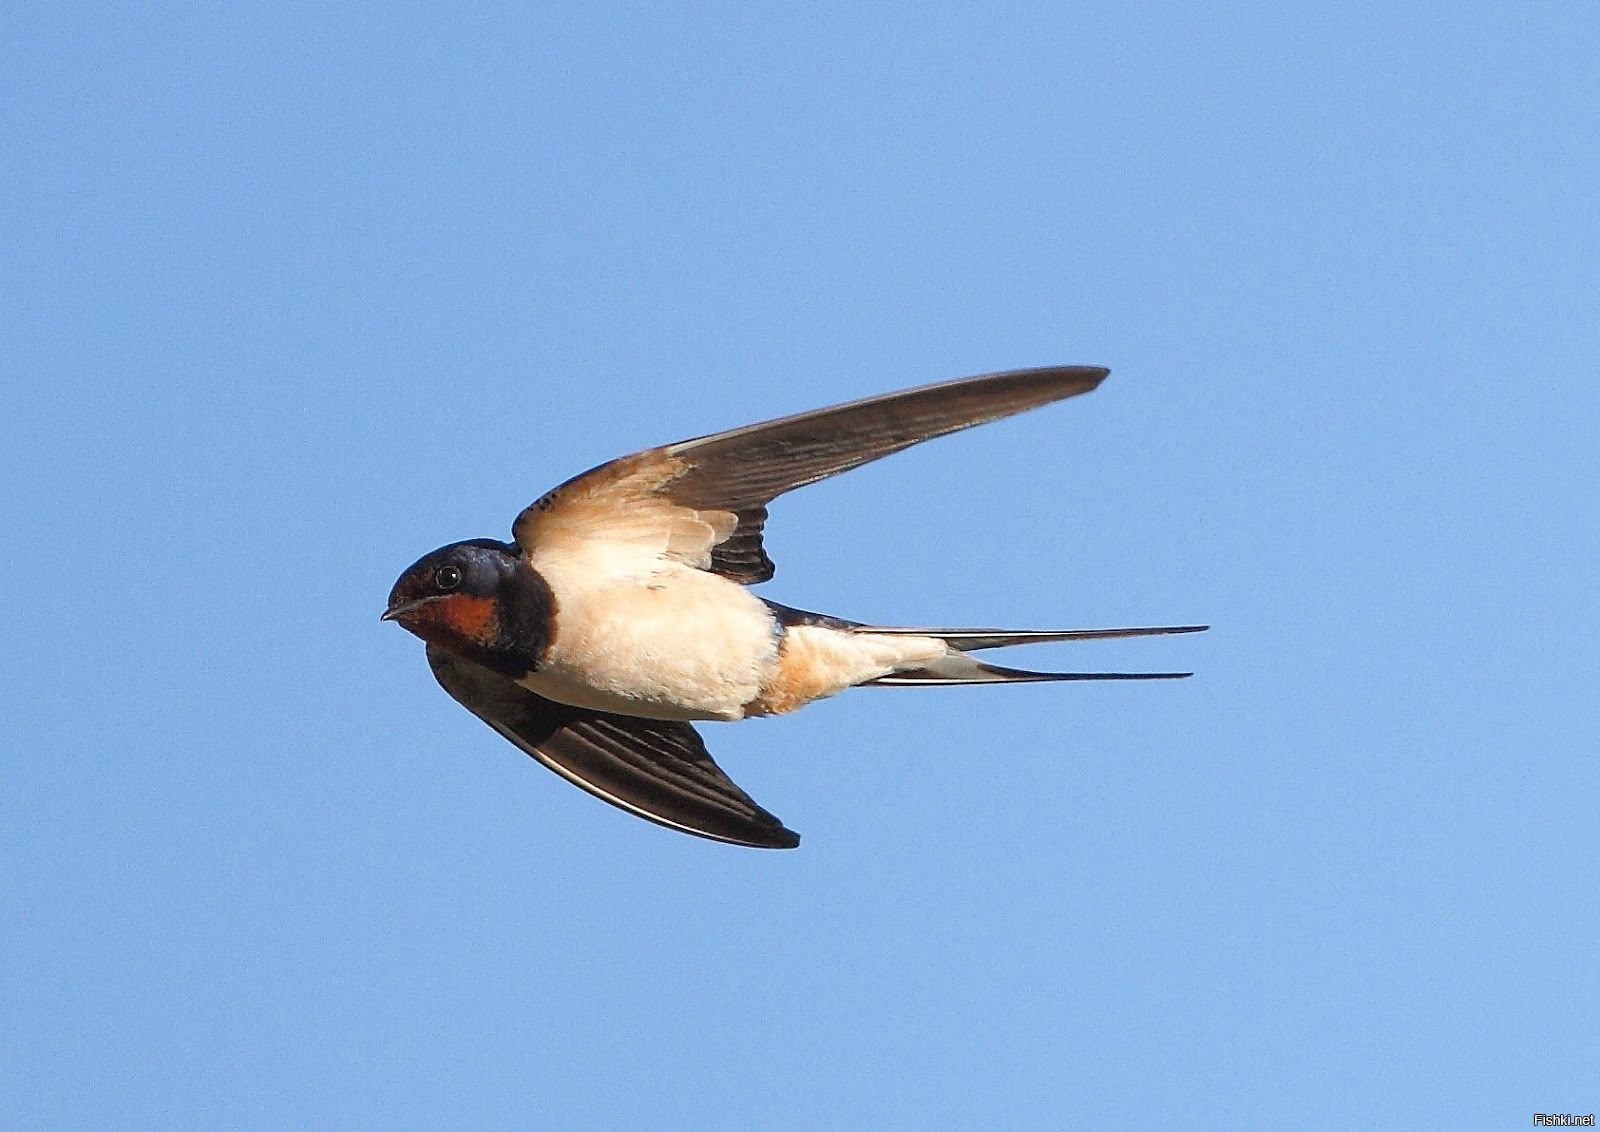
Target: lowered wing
657 769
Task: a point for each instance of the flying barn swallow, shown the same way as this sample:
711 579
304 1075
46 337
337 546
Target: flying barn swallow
619 612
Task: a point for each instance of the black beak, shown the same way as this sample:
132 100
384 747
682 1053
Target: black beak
396 612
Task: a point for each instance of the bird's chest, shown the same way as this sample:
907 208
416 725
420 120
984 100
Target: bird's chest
674 643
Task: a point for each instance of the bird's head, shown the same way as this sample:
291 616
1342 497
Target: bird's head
479 600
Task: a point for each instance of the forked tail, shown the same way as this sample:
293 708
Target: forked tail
956 667
959 668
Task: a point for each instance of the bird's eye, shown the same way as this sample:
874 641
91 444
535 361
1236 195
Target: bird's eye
447 578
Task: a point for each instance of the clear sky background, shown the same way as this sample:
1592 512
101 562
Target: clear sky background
295 295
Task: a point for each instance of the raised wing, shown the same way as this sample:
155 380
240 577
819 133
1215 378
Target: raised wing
657 769
703 501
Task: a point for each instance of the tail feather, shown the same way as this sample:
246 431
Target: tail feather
971 640
956 667
959 668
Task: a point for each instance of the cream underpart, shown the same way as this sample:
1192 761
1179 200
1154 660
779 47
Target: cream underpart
641 635
642 628
816 662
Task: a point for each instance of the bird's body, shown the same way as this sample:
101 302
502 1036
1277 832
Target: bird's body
622 610
682 644
673 645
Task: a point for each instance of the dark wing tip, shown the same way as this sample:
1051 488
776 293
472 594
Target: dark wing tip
1096 374
752 833
782 838
1083 378
1062 381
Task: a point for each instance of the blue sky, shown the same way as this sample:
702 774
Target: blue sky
294 296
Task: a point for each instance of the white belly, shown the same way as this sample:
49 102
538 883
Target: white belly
678 643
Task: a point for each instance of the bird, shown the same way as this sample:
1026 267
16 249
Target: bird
620 613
